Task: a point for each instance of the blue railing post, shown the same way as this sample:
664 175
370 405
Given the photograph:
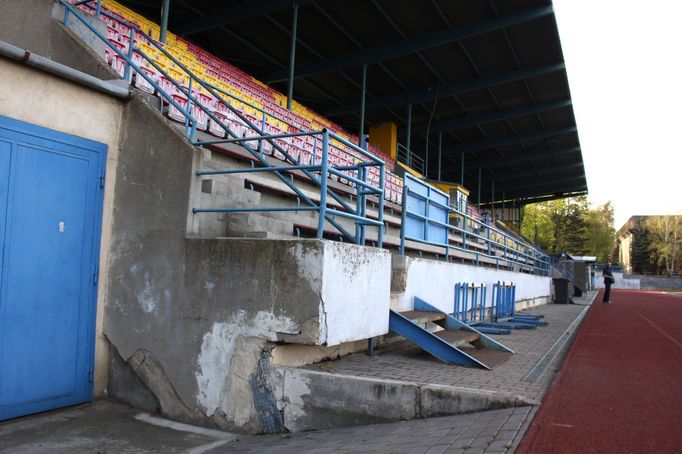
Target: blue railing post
513 299
456 301
465 306
403 220
323 183
99 8
382 186
427 206
192 132
481 302
131 45
262 127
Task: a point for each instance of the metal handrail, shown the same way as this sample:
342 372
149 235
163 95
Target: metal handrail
358 213
532 258
410 158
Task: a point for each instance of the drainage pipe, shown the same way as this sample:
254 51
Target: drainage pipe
45 64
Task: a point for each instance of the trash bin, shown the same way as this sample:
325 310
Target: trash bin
561 290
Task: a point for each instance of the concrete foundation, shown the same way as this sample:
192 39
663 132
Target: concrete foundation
311 400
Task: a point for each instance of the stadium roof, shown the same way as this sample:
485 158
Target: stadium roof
487 76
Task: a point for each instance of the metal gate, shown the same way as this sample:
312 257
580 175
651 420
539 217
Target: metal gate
50 222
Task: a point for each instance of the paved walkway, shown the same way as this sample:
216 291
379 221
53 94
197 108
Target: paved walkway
111 428
620 389
524 373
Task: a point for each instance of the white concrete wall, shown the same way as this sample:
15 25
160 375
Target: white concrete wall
434 282
356 292
621 282
39 98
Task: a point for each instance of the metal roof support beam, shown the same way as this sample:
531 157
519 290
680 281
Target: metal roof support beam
165 11
498 142
521 157
239 13
547 182
397 49
292 56
422 96
538 170
363 95
557 192
546 198
489 117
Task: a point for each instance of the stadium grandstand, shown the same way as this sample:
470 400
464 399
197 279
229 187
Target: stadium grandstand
197 192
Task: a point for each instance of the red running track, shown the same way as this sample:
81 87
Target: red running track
620 388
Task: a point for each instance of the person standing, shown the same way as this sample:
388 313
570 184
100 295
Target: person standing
608 281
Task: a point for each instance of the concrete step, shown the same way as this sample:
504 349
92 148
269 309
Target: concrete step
246 224
457 337
423 316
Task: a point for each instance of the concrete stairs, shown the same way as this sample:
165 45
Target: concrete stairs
447 338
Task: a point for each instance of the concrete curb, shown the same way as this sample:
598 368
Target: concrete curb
310 400
555 356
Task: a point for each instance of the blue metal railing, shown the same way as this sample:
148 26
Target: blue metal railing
504 299
491 242
470 300
356 173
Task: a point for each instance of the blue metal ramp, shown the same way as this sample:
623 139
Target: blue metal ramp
455 343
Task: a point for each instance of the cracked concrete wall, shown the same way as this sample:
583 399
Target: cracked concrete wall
191 316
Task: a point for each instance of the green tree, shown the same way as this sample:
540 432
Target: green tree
537 225
600 235
570 225
666 241
640 250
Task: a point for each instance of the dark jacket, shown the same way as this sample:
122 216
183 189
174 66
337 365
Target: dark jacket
608 276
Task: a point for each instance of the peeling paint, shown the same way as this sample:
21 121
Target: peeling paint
218 347
293 404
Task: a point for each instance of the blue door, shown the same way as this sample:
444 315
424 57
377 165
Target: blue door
50 222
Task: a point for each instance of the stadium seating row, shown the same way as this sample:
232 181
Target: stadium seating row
260 104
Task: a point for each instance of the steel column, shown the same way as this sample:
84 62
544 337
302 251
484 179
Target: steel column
440 153
461 172
480 189
165 10
292 56
362 106
492 207
409 130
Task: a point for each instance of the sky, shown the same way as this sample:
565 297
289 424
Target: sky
624 65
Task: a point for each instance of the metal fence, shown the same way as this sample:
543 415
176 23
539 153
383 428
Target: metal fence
422 212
